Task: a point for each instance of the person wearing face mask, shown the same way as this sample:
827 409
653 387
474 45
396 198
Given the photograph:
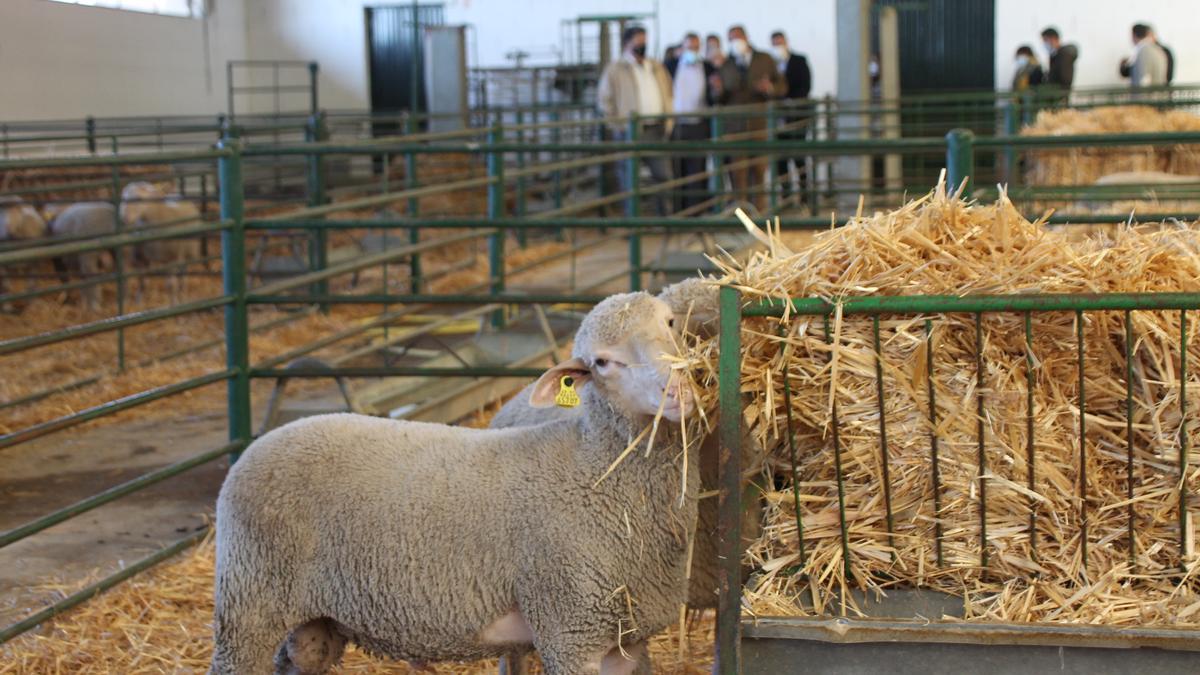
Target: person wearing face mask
713 54
637 84
1028 70
1149 65
692 93
1061 72
798 76
748 76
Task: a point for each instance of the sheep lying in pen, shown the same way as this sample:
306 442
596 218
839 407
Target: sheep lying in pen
696 301
427 542
144 205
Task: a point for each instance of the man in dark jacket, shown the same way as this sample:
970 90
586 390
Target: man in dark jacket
748 76
799 84
1061 72
692 96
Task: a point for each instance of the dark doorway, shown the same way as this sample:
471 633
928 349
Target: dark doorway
395 35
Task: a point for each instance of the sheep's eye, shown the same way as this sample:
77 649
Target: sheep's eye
671 322
600 363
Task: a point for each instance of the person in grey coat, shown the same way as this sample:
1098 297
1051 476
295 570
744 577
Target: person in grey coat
1149 64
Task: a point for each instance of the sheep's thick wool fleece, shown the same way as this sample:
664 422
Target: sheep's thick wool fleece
413 537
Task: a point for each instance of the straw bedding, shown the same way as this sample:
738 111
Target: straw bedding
1083 166
160 622
942 245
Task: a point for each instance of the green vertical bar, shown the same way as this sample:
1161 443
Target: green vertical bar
313 106
555 139
318 248
729 514
633 209
1011 128
837 467
831 135
495 168
118 254
1129 516
522 238
233 272
960 158
884 460
89 129
1083 510
935 470
787 405
414 205
1184 521
981 435
715 183
385 239
772 178
1030 449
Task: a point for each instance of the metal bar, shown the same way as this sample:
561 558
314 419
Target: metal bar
933 443
981 431
787 403
922 304
729 515
1185 521
1030 448
427 298
396 371
960 159
1083 510
883 442
837 465
414 206
128 487
233 269
633 206
141 158
132 401
1129 445
112 323
99 587
496 209
109 241
318 244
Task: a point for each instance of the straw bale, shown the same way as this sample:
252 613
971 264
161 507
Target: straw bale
940 245
160 622
1083 166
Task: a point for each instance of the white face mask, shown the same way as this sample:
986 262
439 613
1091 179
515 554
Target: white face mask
689 57
873 68
1022 61
738 47
781 53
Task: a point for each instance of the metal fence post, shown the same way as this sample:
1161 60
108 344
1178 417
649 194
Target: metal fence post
118 255
313 70
1012 115
521 234
633 207
729 498
414 207
233 275
960 158
716 181
89 128
318 246
495 202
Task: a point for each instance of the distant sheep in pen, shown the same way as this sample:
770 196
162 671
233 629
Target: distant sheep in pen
426 542
18 222
144 206
83 220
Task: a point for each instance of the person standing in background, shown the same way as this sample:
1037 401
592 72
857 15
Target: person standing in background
637 84
712 50
798 76
692 93
1028 72
1061 71
747 76
1148 65
1170 56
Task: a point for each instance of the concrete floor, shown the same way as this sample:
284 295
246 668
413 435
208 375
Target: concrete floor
58 470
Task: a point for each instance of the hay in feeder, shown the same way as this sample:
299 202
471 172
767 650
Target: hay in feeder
161 622
1035 568
1083 166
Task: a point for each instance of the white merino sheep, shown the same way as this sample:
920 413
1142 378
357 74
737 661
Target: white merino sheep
144 205
696 300
86 219
426 542
20 221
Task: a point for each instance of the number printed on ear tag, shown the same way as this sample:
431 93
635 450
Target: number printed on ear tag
566 398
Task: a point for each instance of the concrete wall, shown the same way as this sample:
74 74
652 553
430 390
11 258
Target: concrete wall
1100 28
333 32
60 61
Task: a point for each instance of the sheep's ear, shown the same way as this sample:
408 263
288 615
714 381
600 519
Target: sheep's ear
546 388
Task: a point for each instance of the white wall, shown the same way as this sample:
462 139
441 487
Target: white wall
60 61
1100 29
333 32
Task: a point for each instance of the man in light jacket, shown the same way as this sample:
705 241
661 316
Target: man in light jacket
637 84
1149 64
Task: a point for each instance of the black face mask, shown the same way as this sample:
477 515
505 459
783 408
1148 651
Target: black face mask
640 51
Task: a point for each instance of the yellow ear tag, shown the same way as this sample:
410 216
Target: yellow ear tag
566 398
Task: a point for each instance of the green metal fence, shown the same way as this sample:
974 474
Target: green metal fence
507 160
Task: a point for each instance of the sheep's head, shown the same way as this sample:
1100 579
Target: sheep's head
20 221
694 301
623 350
137 198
